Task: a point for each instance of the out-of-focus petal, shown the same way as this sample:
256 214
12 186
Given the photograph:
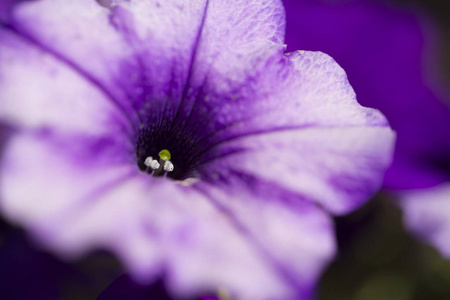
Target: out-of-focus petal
294 237
38 91
6 7
76 168
426 212
155 225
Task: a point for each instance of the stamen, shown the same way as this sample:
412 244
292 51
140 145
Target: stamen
151 163
148 161
155 164
168 166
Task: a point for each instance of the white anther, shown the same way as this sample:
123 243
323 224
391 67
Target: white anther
168 166
148 161
154 164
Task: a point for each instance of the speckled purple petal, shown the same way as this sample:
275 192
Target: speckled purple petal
312 137
108 49
142 52
252 30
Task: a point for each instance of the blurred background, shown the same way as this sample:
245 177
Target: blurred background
378 258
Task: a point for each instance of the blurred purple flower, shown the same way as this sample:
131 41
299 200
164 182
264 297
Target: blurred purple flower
264 145
386 52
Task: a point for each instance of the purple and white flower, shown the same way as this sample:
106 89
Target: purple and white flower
263 146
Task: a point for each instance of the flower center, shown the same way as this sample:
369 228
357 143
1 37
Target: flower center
166 151
156 168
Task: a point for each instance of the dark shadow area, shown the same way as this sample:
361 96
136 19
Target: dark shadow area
379 259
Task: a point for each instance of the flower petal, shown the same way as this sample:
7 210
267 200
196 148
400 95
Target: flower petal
394 68
227 32
340 168
57 186
294 236
233 30
51 94
312 137
36 23
426 214
40 159
255 249
142 52
93 42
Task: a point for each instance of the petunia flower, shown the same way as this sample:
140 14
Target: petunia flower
180 136
387 51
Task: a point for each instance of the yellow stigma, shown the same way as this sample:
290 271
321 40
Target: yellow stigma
165 155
